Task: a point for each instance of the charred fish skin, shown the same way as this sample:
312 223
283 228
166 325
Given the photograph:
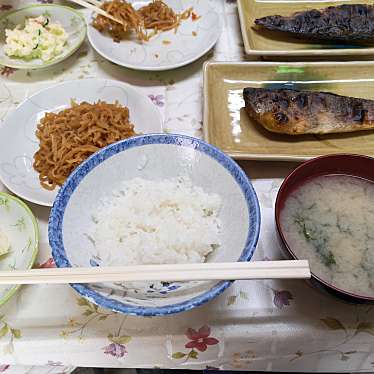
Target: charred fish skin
296 112
343 23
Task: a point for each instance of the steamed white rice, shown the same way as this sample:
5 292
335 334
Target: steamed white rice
156 222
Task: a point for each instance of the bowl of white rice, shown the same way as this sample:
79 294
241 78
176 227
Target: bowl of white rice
154 199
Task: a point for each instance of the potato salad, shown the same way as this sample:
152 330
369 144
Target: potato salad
39 38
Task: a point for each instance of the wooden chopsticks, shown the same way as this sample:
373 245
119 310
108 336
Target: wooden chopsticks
95 6
298 269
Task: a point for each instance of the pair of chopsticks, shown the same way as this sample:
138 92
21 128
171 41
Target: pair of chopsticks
95 5
295 269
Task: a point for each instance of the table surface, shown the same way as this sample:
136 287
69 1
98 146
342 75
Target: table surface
257 325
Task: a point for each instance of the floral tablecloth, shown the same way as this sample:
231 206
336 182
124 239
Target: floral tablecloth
257 325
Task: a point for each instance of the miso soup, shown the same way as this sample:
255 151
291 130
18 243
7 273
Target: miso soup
329 220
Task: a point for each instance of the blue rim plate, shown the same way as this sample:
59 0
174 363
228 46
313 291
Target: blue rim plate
57 215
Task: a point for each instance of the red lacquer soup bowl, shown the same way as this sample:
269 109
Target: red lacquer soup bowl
337 164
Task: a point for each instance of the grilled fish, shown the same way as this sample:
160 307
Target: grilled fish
343 23
295 112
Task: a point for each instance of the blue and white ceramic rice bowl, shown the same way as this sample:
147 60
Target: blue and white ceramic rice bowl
153 157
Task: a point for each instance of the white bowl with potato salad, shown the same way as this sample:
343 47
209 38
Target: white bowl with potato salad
40 35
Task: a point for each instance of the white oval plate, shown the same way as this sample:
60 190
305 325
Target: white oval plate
191 41
18 142
71 20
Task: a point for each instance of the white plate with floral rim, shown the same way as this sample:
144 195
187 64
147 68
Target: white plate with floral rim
71 20
167 50
18 142
21 229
